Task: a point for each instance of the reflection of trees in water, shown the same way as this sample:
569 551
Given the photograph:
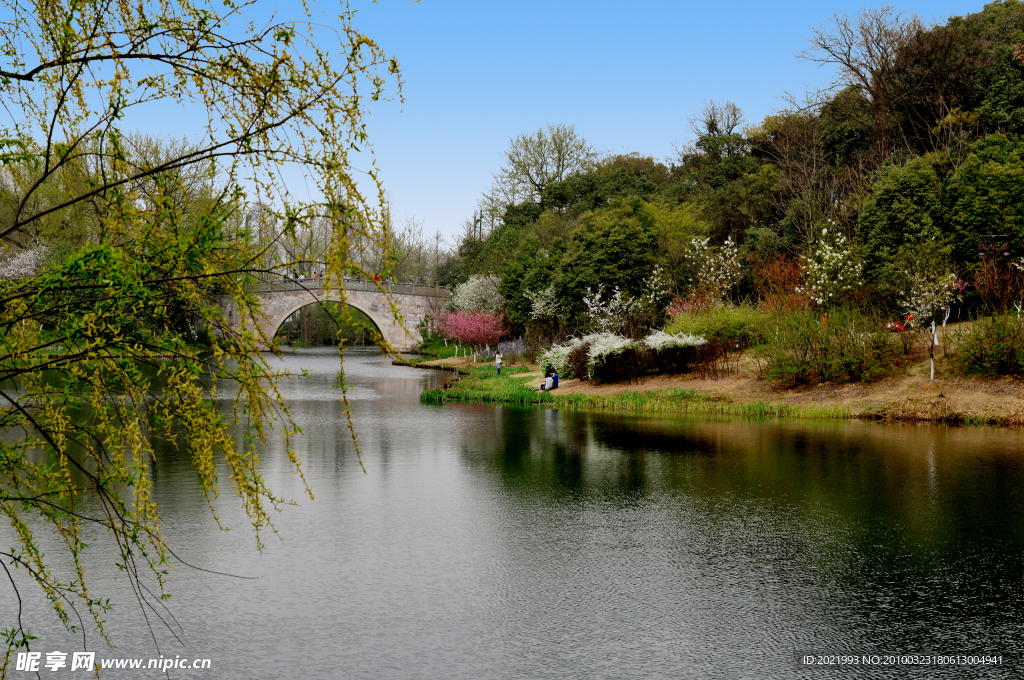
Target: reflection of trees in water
315 325
840 483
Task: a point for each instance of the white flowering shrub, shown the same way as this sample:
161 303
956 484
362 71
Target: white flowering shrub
603 346
478 294
660 340
831 269
715 270
20 264
557 357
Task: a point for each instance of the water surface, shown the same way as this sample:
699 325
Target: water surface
490 542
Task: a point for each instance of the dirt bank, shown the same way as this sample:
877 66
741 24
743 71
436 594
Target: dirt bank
911 396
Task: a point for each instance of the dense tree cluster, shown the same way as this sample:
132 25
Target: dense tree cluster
913 155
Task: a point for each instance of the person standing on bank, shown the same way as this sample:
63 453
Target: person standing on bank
497 362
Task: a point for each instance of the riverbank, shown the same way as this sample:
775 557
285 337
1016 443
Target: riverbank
911 397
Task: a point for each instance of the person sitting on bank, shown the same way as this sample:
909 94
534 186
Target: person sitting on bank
550 381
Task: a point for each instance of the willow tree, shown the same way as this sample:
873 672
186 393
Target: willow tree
113 257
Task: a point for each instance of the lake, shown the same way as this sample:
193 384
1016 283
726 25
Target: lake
496 542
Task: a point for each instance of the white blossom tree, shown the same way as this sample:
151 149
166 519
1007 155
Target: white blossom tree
715 270
479 294
831 269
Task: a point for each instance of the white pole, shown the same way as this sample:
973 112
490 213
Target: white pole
931 353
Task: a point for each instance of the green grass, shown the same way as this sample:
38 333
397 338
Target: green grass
482 386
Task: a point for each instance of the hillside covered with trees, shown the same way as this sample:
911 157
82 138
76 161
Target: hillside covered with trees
858 195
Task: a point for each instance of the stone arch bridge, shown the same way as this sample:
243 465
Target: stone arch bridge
281 299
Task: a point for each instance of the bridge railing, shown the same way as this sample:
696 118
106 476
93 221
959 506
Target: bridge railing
353 284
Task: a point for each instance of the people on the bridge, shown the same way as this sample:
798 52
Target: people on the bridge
497 362
302 276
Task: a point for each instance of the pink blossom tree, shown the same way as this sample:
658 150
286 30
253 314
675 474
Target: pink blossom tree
475 329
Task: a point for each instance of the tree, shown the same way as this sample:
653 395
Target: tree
865 51
904 207
475 329
535 161
716 119
613 248
119 340
478 294
716 169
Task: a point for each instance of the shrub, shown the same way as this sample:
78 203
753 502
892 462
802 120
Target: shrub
660 341
672 353
607 357
554 359
843 346
992 346
604 346
743 325
625 365
577 360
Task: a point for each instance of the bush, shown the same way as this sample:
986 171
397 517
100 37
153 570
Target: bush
577 360
673 353
843 346
992 346
554 359
606 357
743 326
627 364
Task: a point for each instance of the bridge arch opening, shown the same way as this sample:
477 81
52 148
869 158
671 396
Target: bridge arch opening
311 323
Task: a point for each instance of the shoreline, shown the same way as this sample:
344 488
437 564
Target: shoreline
911 397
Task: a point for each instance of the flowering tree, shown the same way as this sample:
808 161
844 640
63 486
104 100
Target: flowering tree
627 315
714 270
478 294
475 329
831 268
543 304
929 293
928 287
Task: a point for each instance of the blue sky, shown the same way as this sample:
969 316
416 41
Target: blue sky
626 74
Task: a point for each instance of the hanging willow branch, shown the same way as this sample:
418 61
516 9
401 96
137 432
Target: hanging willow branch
116 247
